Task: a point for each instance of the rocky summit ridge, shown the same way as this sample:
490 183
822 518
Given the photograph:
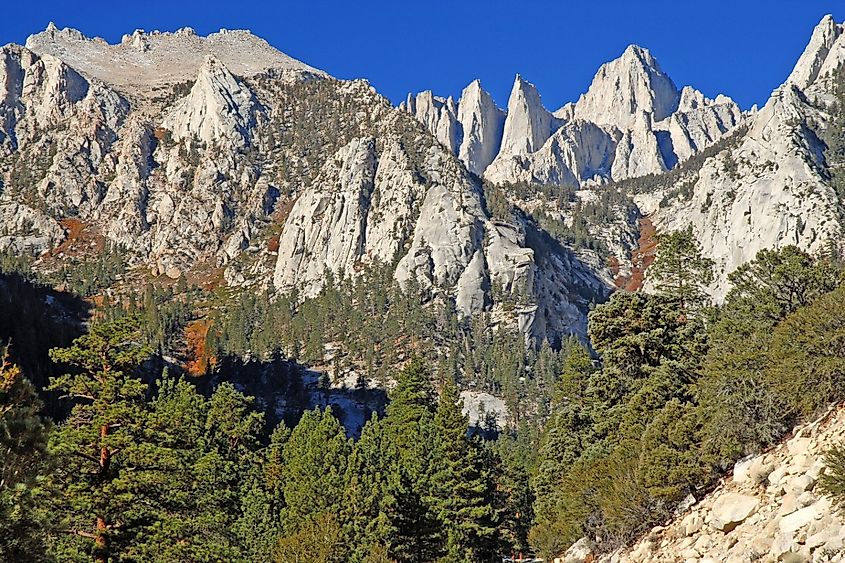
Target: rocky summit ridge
631 122
143 59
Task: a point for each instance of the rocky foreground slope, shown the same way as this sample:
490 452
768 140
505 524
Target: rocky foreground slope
770 509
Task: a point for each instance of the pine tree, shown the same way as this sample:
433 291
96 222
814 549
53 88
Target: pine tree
568 432
545 373
378 554
413 398
461 486
680 270
195 458
23 465
92 444
778 282
409 521
167 482
318 539
742 410
415 532
262 501
409 417
650 351
737 402
671 464
807 361
314 469
371 464
511 459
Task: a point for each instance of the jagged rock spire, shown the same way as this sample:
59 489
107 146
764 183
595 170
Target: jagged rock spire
528 124
217 108
482 126
812 60
626 86
438 114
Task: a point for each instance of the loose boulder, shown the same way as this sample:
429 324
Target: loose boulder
731 510
582 551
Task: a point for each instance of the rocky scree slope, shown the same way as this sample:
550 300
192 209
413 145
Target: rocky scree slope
769 510
201 165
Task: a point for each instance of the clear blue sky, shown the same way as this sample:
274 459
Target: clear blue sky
743 48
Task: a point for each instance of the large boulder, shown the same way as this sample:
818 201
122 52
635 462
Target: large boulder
730 510
582 551
798 519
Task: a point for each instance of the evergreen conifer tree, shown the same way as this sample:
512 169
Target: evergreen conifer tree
23 465
92 444
680 270
461 485
314 469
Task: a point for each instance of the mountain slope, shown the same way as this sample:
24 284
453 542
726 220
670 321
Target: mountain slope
198 176
772 187
273 173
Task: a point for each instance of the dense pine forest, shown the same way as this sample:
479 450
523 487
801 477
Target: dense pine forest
114 450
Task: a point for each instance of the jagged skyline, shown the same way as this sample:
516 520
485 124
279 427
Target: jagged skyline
401 49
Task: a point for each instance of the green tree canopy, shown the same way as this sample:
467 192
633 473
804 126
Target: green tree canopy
680 269
23 466
315 458
93 443
461 485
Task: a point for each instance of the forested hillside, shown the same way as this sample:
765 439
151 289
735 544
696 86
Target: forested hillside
153 463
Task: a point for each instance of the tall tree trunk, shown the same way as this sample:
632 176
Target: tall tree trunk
100 544
100 555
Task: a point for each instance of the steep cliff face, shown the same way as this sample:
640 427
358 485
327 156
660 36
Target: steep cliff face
578 152
373 202
528 124
772 187
638 152
698 124
189 156
482 127
820 57
166 176
439 115
358 211
56 133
